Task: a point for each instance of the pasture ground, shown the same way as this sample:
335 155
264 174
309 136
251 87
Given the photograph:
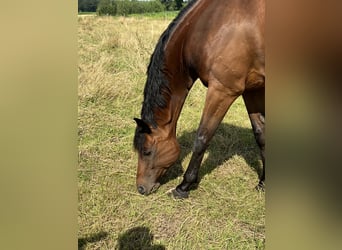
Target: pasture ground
224 212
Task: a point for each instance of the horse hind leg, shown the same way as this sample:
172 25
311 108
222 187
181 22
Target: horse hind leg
258 125
216 105
255 104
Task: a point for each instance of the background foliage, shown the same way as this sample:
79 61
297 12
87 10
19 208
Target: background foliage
125 7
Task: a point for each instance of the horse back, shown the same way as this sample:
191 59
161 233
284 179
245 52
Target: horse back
225 42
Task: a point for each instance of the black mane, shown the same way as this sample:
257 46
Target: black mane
157 91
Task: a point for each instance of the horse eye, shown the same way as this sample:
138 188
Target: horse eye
146 153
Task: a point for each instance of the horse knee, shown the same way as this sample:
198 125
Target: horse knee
200 144
260 137
259 132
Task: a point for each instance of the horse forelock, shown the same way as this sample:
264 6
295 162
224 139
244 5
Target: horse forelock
139 140
157 92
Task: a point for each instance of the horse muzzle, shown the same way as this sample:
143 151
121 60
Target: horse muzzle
142 189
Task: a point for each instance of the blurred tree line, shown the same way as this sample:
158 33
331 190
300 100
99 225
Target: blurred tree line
87 5
123 8
92 5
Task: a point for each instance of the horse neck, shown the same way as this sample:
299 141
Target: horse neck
168 117
177 73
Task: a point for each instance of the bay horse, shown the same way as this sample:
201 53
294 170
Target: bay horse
221 42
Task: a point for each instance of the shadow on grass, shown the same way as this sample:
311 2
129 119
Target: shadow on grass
137 238
229 140
82 242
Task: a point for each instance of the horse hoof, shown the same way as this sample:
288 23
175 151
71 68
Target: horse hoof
179 194
260 186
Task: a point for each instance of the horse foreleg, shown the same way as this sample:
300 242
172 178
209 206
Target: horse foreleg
216 105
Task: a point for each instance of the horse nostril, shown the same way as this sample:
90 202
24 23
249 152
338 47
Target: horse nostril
141 189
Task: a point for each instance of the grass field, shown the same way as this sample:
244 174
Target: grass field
224 212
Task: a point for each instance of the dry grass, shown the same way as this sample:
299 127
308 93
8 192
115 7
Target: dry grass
225 212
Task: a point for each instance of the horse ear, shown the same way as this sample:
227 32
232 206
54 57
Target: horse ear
144 128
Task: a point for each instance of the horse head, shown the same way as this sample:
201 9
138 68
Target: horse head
156 153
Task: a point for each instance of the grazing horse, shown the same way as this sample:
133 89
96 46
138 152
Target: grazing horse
221 42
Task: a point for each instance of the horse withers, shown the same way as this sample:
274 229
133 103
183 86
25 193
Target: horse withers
221 42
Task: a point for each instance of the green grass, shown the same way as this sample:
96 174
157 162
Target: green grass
86 13
154 15
224 212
